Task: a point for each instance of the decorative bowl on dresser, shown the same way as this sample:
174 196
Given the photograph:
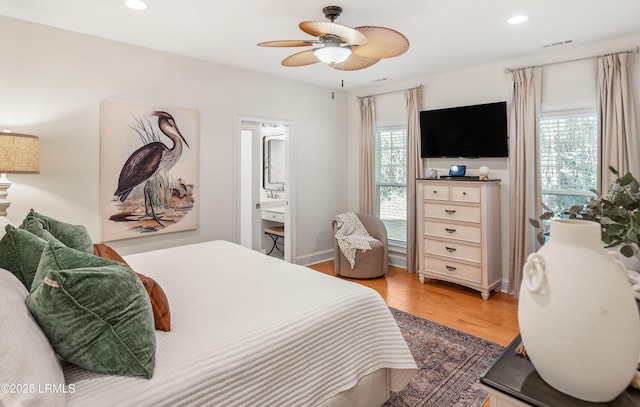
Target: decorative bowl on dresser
459 225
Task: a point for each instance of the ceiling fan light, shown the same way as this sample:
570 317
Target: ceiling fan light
519 19
136 4
332 54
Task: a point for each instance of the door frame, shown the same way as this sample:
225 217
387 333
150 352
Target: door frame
290 182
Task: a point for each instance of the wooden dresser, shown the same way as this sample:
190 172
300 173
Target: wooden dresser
459 222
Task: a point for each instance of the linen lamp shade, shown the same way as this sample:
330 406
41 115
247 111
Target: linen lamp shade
18 155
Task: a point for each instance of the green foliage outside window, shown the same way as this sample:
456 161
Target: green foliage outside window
391 180
568 158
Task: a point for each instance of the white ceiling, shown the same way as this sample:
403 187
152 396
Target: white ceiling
445 35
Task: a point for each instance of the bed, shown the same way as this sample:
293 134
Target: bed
251 330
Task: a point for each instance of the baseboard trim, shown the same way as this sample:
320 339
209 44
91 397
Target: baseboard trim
398 260
395 259
314 258
504 287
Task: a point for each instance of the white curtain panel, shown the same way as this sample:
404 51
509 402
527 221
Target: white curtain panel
414 170
525 197
617 127
367 151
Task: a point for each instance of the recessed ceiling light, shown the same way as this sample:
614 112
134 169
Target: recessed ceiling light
136 4
517 19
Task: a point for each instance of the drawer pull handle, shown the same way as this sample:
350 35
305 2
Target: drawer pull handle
451 268
435 192
450 249
450 230
450 211
464 193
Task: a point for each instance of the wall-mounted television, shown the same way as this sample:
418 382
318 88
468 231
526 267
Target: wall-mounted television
465 131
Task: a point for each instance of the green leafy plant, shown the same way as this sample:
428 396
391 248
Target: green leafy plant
541 224
617 212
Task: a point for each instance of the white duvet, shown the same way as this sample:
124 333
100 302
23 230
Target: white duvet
251 330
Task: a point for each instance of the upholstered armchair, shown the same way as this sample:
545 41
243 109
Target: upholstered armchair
368 264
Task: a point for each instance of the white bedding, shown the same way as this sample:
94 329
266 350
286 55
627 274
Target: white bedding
251 330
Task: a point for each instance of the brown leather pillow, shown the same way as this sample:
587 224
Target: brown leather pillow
159 302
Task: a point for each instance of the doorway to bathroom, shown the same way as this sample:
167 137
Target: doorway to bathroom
265 186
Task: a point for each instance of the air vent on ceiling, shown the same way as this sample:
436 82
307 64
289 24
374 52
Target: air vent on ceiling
557 44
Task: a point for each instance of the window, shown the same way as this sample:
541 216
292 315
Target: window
391 181
568 158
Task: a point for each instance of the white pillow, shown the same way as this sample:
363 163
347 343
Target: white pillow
29 363
4 221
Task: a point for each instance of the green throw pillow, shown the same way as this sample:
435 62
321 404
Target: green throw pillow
75 236
95 312
20 252
33 225
60 257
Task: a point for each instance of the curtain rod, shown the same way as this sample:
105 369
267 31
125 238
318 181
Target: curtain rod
629 51
388 93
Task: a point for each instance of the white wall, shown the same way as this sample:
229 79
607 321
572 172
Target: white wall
52 82
565 84
51 85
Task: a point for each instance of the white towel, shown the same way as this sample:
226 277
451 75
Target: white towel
351 235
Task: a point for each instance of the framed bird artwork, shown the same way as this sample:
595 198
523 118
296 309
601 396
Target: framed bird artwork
149 169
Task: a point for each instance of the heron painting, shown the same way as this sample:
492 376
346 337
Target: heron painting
148 164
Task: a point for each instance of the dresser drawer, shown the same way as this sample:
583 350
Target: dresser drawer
455 250
469 233
453 269
452 212
438 192
465 193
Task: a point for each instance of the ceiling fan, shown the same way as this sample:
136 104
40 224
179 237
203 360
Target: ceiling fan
342 47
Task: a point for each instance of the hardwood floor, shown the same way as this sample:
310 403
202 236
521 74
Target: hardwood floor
447 304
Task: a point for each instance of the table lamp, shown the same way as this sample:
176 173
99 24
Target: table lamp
18 155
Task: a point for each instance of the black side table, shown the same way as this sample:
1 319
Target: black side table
513 381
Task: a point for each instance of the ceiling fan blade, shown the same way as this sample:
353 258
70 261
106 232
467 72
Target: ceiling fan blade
354 62
301 58
383 43
346 34
286 43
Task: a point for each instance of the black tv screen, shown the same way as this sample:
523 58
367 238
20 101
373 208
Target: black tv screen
465 131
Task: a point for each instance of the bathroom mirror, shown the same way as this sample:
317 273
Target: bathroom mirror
273 163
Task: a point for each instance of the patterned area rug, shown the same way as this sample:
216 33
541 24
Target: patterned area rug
449 362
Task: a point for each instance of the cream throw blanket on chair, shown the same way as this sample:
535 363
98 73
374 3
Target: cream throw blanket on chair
351 235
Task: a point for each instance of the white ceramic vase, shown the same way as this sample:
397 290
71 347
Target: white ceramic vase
578 317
